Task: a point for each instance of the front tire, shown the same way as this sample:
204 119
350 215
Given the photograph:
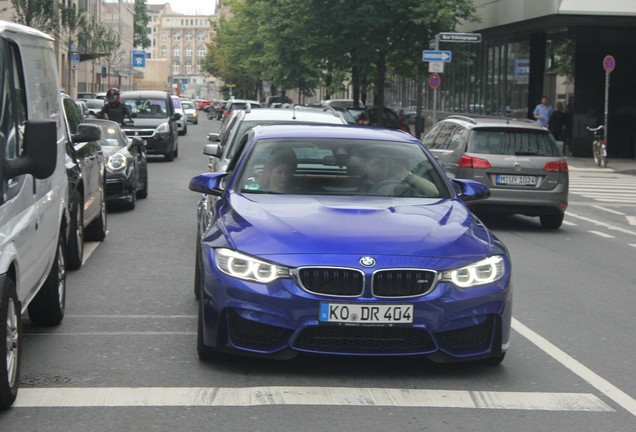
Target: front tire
75 251
47 307
10 344
96 231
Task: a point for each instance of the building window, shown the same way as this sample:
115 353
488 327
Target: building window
188 69
201 36
188 51
164 37
175 69
188 36
164 51
201 51
176 52
176 37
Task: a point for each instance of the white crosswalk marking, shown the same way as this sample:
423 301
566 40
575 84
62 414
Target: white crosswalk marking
604 187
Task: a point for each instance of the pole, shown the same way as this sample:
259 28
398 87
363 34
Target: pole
605 114
435 46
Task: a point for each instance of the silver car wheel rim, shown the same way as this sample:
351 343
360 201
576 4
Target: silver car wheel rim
12 342
61 276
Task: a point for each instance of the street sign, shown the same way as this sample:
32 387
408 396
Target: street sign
75 58
436 67
609 63
434 80
459 37
440 56
138 58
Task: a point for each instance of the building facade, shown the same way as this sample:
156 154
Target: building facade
556 48
177 51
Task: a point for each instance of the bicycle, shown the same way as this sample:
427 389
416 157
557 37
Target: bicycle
598 146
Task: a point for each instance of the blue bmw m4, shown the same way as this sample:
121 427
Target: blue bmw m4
346 241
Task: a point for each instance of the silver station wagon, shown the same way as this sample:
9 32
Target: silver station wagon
516 158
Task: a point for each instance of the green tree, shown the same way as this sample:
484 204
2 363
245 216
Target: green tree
140 37
72 23
39 14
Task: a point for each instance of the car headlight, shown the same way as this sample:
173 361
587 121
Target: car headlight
481 272
116 162
163 127
245 267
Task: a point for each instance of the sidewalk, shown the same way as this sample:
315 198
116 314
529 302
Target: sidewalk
622 166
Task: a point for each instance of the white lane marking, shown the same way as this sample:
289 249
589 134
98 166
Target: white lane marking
608 210
335 396
631 220
603 224
568 223
633 245
604 386
601 234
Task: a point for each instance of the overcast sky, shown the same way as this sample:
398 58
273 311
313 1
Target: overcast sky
204 7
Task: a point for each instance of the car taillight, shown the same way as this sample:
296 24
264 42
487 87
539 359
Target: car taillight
556 166
472 162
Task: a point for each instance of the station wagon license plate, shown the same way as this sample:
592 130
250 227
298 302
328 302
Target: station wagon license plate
516 180
363 313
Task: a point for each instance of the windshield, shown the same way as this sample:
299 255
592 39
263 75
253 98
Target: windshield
147 107
512 142
341 167
114 136
187 105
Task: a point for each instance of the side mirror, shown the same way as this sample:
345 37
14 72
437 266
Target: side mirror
207 183
176 116
470 190
86 132
213 137
213 150
39 155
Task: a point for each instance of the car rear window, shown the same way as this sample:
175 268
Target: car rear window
520 142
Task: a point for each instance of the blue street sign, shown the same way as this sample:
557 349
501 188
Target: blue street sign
75 58
139 58
436 56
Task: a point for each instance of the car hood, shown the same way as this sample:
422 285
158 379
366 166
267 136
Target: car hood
292 224
109 150
145 123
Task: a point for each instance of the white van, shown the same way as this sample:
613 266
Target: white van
33 202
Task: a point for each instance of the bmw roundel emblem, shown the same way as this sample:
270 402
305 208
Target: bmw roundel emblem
367 261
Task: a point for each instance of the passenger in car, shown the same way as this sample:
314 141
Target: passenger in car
278 171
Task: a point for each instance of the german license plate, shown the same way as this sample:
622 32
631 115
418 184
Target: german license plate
361 313
516 180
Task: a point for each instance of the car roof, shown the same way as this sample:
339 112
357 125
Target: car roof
144 93
285 114
333 131
473 122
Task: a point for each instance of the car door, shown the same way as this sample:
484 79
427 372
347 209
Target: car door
90 158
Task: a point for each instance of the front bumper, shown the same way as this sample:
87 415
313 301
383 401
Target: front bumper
282 320
120 188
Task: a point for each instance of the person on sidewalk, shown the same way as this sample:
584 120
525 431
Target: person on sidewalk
543 111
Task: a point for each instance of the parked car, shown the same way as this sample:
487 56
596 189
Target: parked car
190 111
517 159
225 143
182 122
126 165
203 104
86 171
94 105
328 266
34 217
155 121
238 104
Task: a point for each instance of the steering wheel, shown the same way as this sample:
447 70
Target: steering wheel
384 188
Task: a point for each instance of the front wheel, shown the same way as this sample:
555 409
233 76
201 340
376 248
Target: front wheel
10 344
75 250
47 307
597 155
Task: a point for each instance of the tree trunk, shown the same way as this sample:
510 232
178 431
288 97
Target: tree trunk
379 87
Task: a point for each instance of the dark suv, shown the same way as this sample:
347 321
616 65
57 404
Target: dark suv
516 158
155 121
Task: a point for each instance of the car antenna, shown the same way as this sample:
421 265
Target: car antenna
294 112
